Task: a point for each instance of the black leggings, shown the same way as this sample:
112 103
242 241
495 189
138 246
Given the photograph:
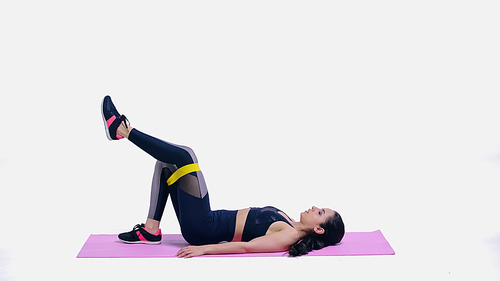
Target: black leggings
199 224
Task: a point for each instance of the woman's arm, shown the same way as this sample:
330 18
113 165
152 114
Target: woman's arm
275 242
223 248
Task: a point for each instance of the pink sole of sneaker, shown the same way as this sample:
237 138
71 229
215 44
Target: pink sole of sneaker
142 242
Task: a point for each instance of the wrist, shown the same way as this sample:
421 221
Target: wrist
205 249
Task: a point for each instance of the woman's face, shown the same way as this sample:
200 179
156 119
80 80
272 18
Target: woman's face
315 216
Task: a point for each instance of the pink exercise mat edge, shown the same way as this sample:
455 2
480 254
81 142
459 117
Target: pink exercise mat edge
108 246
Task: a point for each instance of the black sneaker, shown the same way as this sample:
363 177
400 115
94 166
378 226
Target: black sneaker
112 119
139 235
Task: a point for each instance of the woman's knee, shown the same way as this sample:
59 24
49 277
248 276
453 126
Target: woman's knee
189 154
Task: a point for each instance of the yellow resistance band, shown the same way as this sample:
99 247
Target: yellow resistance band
182 171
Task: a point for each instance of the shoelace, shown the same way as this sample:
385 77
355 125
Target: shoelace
137 227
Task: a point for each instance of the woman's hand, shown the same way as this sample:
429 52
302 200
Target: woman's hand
191 251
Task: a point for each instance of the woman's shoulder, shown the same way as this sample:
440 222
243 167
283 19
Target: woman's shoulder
284 230
281 226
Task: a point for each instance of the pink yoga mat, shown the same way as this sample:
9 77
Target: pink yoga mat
108 246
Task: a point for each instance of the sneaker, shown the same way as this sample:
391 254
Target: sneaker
112 119
139 235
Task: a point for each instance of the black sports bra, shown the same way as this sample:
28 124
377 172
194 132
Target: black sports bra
259 220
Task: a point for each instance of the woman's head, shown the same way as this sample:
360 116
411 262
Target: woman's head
326 228
314 217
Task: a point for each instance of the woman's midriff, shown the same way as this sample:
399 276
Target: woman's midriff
241 217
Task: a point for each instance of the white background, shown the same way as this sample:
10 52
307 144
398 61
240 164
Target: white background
386 111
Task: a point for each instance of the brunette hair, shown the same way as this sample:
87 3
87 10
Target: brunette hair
334 232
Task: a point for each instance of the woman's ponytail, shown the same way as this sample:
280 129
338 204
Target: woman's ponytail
305 245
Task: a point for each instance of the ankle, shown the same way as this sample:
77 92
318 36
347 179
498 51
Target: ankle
153 231
124 130
152 226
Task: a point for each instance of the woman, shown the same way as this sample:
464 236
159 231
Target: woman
247 230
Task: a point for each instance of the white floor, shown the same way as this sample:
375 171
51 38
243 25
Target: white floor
386 112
